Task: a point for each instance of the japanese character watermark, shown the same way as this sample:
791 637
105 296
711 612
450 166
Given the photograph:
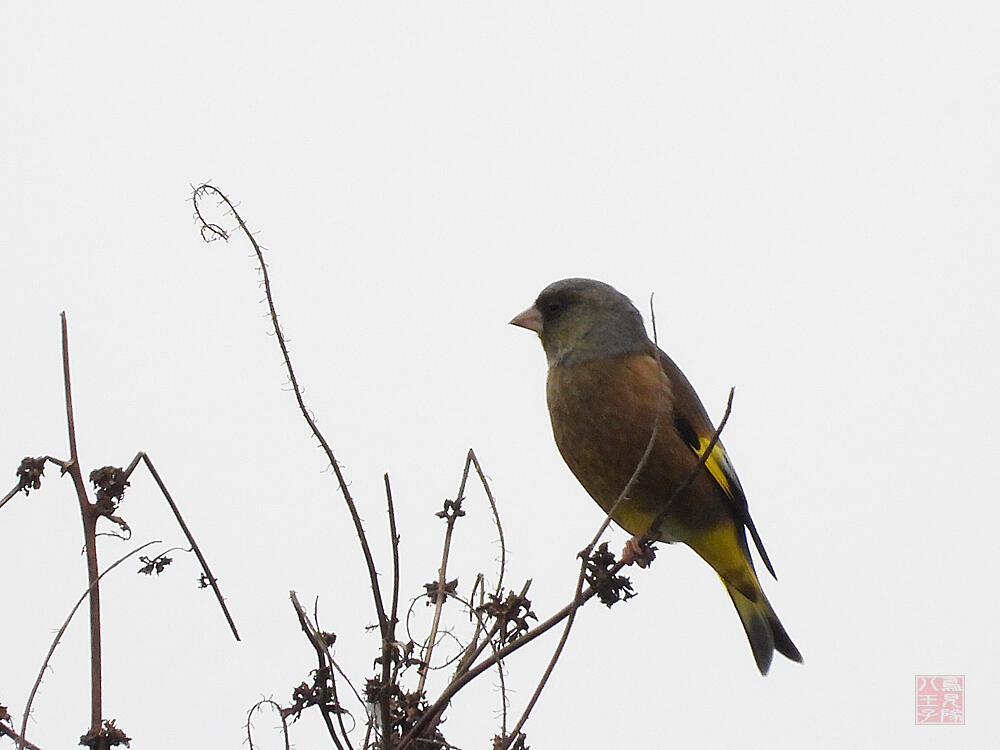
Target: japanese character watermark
940 699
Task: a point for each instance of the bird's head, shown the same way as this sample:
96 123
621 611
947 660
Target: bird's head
582 319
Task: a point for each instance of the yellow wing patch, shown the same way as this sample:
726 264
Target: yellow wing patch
724 475
717 464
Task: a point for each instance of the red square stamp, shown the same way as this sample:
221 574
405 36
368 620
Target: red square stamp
940 699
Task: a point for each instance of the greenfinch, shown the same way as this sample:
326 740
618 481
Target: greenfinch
608 384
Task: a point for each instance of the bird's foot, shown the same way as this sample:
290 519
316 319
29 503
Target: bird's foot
637 552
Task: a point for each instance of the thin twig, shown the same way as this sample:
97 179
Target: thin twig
468 676
329 656
322 655
472 652
211 230
500 670
339 712
650 535
470 461
476 647
512 736
389 640
59 633
440 595
187 533
257 707
496 519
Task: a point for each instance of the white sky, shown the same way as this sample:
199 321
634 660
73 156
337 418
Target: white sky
810 192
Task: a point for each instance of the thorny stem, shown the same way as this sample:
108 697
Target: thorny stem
88 513
257 707
187 533
496 518
211 230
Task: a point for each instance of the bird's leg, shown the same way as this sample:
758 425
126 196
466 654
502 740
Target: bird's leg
637 551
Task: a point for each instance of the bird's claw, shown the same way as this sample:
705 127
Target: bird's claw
637 552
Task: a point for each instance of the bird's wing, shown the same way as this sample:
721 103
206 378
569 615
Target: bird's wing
696 430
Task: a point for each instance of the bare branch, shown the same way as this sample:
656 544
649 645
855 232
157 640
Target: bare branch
89 515
208 578
21 742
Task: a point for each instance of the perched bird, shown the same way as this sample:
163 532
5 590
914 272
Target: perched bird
608 384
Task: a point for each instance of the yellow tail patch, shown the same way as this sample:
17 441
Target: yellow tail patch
720 548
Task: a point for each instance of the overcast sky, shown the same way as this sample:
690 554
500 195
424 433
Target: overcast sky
810 192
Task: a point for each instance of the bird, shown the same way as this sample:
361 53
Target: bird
608 384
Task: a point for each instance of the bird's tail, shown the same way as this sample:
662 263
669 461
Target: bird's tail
763 628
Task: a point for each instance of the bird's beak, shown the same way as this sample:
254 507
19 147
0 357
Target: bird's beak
530 319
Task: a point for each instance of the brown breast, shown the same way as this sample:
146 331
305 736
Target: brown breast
602 413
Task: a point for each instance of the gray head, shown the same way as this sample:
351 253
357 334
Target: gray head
582 319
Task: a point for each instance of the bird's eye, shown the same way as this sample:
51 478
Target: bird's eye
552 307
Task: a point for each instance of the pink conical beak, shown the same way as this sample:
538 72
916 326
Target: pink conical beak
530 319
